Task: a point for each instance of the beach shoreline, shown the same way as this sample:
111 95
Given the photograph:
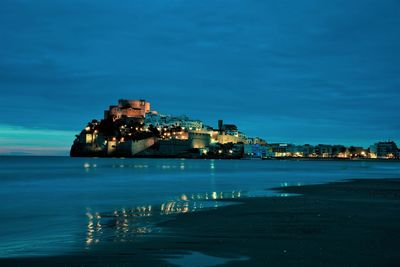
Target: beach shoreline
347 223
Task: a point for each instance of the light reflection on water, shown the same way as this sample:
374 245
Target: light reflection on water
44 199
170 165
124 225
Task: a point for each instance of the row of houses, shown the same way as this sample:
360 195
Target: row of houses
380 150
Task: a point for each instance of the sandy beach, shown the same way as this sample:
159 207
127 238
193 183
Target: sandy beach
349 223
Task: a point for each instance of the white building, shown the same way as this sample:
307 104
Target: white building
168 120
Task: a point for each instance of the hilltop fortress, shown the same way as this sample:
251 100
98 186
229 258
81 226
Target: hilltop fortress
133 129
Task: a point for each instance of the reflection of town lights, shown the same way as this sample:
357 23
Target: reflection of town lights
125 222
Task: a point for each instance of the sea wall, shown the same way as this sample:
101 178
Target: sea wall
131 148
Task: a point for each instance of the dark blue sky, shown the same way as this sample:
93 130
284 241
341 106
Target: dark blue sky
306 71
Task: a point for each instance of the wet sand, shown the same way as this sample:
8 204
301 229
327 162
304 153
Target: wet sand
350 223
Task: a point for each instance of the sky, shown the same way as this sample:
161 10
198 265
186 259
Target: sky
307 71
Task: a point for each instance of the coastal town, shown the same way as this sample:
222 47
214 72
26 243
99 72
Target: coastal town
132 129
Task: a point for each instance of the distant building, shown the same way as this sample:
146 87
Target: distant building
384 150
226 138
256 151
183 121
356 152
171 147
339 151
282 149
304 151
323 151
256 140
128 108
230 129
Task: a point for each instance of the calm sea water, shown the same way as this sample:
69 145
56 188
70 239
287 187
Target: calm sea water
54 205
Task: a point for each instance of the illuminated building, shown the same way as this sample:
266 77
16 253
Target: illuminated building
282 149
160 120
256 140
257 151
129 109
323 151
227 133
356 152
384 150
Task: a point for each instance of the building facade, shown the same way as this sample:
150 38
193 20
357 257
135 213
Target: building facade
384 150
128 109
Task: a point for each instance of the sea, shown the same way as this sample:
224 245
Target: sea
60 205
